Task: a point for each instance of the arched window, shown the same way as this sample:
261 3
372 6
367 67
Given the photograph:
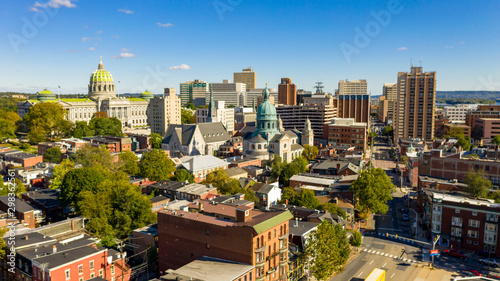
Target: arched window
262 240
281 230
258 242
268 125
269 235
253 146
284 228
260 146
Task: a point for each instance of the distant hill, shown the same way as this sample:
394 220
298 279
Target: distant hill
493 95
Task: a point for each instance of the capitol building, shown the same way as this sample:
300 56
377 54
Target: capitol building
102 97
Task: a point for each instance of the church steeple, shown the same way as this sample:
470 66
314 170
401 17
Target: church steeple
212 111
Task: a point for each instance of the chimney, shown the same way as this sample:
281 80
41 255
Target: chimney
244 214
26 237
338 167
201 207
296 222
54 249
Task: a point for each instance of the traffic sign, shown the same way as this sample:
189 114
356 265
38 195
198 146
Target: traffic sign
434 252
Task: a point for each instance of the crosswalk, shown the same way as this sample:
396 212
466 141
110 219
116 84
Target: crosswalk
375 252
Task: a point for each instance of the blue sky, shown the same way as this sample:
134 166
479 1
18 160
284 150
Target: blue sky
156 44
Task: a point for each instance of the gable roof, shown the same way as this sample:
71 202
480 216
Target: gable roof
211 132
203 162
351 167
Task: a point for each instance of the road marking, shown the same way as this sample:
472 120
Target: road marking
364 250
391 256
371 262
384 265
378 253
360 274
386 255
391 275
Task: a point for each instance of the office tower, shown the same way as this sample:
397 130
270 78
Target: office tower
457 112
416 97
216 112
353 101
246 76
232 93
165 110
386 103
287 92
193 91
254 95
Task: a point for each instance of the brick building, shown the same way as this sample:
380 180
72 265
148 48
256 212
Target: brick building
287 92
345 131
254 238
488 127
464 223
20 158
27 215
482 111
434 163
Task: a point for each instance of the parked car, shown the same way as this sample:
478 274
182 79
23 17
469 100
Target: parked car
455 253
469 272
490 262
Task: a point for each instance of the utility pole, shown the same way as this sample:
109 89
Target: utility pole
434 247
416 223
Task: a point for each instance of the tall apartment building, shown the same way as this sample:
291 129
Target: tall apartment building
165 111
216 112
240 234
287 92
415 104
320 109
193 91
232 93
386 104
456 113
353 101
246 76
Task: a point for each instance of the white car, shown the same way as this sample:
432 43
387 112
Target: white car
490 262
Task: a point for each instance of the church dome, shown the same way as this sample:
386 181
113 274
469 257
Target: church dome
266 110
45 95
147 95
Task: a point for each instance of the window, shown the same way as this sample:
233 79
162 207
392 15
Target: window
473 233
457 211
92 275
456 231
456 221
492 217
491 227
67 274
269 236
80 279
474 213
112 269
91 265
80 269
474 223
101 273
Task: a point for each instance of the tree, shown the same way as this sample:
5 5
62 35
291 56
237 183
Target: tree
76 181
82 129
477 183
182 175
298 165
191 106
372 135
91 156
3 245
277 166
217 178
155 140
106 126
155 165
496 140
47 119
305 198
356 239
129 162
187 116
372 189
59 171
327 250
310 152
52 155
7 130
387 131
334 209
16 187
458 133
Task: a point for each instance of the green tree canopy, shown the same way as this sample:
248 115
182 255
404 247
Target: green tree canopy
3 245
284 171
106 126
182 175
334 209
373 189
17 187
477 183
82 129
310 152
387 131
191 106
372 135
496 139
305 198
52 155
129 162
47 120
155 140
9 124
187 116
59 172
356 239
155 165
327 250
91 156
76 181
217 178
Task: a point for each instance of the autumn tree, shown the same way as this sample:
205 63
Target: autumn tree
477 183
155 165
372 189
310 152
327 250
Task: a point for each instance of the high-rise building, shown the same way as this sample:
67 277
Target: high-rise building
287 92
386 103
256 96
232 93
416 97
353 101
457 112
216 112
165 110
193 91
246 76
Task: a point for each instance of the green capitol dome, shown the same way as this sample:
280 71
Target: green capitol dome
101 85
147 95
45 95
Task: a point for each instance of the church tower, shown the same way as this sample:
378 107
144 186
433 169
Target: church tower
307 134
212 110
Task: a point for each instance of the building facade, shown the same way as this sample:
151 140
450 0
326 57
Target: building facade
233 94
287 92
385 110
353 101
165 111
415 104
194 92
456 113
345 131
216 112
246 76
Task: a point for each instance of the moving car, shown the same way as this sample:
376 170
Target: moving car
455 253
490 262
469 272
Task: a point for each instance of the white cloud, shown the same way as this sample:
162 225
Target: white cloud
124 55
85 39
125 50
402 49
164 24
91 49
126 11
180 67
99 32
53 4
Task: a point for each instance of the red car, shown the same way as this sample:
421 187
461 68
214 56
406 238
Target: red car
470 272
455 253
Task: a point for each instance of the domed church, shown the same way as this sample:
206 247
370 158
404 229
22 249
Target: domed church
270 138
101 97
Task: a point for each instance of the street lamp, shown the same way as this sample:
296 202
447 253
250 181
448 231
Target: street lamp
434 247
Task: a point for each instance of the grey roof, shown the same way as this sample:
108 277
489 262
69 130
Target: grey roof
21 205
292 133
210 269
202 162
47 249
46 197
296 146
234 171
166 184
211 132
299 228
31 239
158 198
263 188
61 258
351 167
258 138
